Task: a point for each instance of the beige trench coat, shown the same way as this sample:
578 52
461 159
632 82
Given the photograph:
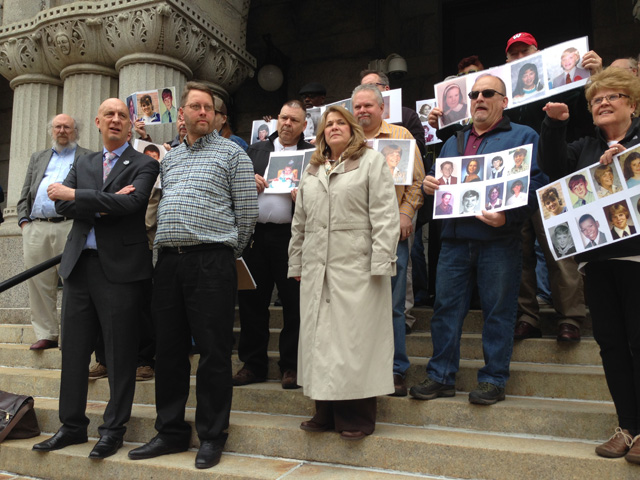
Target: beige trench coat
345 232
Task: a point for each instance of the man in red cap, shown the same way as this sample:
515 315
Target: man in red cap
520 45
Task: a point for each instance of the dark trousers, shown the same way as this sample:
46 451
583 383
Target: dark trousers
348 415
147 338
611 287
267 258
194 296
93 304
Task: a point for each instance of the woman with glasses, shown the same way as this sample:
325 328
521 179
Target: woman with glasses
611 271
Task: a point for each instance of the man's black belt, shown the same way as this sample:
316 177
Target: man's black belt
52 219
193 248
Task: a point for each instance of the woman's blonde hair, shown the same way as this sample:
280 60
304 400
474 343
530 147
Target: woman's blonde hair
613 78
356 146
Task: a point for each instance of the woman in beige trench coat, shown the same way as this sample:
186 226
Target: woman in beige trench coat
343 250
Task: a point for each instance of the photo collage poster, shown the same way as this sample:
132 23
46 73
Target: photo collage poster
494 182
399 154
260 130
284 171
543 74
593 206
423 108
153 106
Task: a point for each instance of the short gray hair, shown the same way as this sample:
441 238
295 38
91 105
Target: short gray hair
367 87
76 126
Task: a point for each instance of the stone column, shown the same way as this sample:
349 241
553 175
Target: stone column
36 99
143 71
86 86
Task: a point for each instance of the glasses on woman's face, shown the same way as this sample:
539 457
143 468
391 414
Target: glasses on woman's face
488 93
609 98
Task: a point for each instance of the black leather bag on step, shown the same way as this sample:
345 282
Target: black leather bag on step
17 417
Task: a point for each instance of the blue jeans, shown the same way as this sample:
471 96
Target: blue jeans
497 265
398 294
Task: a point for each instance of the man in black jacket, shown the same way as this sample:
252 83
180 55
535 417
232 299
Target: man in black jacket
267 259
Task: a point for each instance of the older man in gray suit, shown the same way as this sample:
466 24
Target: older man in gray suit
44 232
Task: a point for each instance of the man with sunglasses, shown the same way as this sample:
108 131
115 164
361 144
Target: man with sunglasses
486 247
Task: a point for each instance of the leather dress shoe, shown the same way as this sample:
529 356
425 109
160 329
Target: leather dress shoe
349 435
633 455
44 344
290 380
209 454
106 446
525 330
568 333
313 426
58 441
156 447
246 377
399 386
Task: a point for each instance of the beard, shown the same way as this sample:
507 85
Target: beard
58 148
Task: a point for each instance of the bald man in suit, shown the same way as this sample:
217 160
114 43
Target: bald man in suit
104 263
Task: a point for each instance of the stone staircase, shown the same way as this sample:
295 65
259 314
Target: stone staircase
557 409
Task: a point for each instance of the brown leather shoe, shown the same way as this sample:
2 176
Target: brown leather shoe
633 456
399 385
313 426
290 380
568 333
97 371
44 344
525 330
145 372
349 435
617 446
246 377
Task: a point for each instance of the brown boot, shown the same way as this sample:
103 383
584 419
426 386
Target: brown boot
617 446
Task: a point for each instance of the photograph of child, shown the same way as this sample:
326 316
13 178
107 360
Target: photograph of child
631 168
148 106
283 172
470 203
169 111
527 79
562 240
590 230
520 161
552 201
398 154
607 180
473 168
259 131
581 192
494 196
444 203
447 169
131 105
620 221
452 99
495 169
517 192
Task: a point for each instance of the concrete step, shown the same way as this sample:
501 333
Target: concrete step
584 382
534 416
420 450
545 350
473 321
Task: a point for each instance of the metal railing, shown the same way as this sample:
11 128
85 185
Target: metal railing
31 272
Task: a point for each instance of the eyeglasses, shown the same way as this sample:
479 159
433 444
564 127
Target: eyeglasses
610 98
488 93
66 128
197 107
462 74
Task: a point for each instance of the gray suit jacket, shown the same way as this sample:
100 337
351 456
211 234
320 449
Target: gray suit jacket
35 172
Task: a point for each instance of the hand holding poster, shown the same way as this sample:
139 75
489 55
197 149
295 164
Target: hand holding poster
593 206
493 182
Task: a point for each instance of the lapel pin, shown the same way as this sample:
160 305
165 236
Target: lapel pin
126 162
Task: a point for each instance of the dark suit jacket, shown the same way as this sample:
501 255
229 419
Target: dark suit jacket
615 235
454 180
120 234
35 172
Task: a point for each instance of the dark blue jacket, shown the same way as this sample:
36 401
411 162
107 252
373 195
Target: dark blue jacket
506 135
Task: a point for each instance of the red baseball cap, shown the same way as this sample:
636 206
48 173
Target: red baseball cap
523 37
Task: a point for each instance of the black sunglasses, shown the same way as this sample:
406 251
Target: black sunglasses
488 93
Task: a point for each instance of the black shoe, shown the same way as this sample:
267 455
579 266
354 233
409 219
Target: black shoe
107 445
209 454
399 386
486 394
58 441
430 389
246 377
156 447
568 333
525 330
